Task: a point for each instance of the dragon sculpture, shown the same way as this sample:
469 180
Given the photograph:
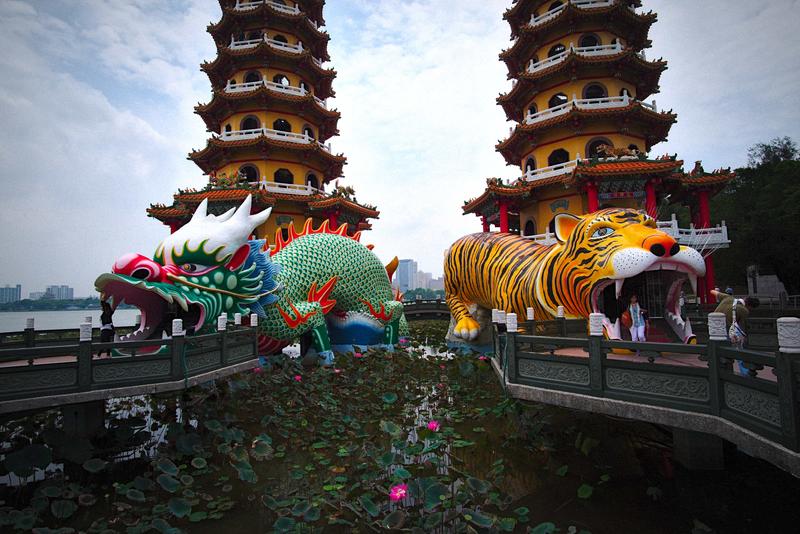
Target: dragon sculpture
318 282
585 271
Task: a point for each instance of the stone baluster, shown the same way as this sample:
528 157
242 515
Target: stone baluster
177 363
85 356
30 333
596 355
788 379
562 321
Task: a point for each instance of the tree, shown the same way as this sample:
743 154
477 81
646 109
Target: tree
762 210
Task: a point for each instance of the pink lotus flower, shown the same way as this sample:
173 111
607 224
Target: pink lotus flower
298 378
433 425
483 358
337 371
257 370
358 355
442 366
398 492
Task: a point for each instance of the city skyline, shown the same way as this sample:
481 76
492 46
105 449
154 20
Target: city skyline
419 137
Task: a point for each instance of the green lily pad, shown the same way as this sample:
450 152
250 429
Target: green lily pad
390 398
144 484
479 519
179 507
63 509
402 473
479 486
199 463
300 508
284 524
585 491
165 465
95 465
135 495
196 517
369 505
544 528
313 514
395 520
391 428
168 483
562 471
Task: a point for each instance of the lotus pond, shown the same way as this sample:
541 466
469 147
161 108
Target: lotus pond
382 441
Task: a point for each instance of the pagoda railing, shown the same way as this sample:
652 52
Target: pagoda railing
585 103
583 4
697 238
587 51
287 189
279 87
239 135
531 175
245 5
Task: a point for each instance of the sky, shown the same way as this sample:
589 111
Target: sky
97 102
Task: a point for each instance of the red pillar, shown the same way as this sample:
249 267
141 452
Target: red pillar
591 193
503 217
650 203
704 221
174 226
485 224
333 220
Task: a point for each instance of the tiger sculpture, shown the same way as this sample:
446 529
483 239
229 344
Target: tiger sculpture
508 272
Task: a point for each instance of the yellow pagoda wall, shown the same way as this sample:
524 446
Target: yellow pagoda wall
541 213
267 168
577 144
604 36
572 89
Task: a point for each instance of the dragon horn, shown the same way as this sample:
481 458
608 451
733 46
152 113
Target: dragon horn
227 215
260 218
201 212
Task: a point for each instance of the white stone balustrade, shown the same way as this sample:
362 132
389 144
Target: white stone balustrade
273 86
286 189
587 51
789 335
531 175
245 5
608 102
582 4
291 137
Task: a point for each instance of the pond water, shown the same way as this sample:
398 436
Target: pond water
62 319
321 450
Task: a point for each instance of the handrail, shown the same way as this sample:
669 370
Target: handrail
244 5
531 175
606 102
279 87
280 45
586 51
291 137
583 4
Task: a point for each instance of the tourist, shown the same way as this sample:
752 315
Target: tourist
106 325
736 313
638 321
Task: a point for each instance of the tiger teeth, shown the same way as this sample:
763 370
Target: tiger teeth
619 283
693 281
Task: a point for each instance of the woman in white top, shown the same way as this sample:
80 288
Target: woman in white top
637 320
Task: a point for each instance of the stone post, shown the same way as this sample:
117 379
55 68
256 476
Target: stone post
788 394
562 321
596 355
85 356
222 329
530 323
30 333
510 373
716 337
178 346
237 319
253 320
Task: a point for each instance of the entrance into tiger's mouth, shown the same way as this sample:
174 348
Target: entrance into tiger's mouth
657 290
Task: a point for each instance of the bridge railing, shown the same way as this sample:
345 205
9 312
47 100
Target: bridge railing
763 398
63 373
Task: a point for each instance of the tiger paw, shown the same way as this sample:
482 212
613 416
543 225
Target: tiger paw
467 329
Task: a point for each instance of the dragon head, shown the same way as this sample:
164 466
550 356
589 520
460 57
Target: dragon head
207 268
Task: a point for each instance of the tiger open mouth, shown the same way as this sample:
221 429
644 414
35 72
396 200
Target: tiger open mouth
157 303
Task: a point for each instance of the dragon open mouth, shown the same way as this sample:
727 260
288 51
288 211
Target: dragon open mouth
157 305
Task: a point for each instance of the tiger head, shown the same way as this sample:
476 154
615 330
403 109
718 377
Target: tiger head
608 248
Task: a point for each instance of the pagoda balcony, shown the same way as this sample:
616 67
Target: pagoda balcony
240 135
608 102
585 51
582 4
286 189
278 45
277 87
247 5
532 175
702 239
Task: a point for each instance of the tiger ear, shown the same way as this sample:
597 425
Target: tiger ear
564 224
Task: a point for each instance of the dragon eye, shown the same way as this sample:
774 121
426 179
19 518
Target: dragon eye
602 232
194 268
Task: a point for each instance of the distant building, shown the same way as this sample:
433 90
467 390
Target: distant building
407 275
10 294
59 292
423 280
36 295
437 284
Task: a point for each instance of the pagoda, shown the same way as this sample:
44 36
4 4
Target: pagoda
270 122
585 124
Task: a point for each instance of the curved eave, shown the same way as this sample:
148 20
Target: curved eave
344 205
228 61
520 13
218 152
167 214
234 21
617 18
657 125
224 104
520 191
627 65
685 184
615 168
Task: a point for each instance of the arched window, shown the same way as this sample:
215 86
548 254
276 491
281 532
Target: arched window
308 132
304 86
594 90
555 4
634 147
253 35
252 76
248 173
532 109
282 125
593 146
530 227
232 81
250 122
284 176
557 100
557 49
228 127
280 38
557 157
312 180
530 164
281 79
589 39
